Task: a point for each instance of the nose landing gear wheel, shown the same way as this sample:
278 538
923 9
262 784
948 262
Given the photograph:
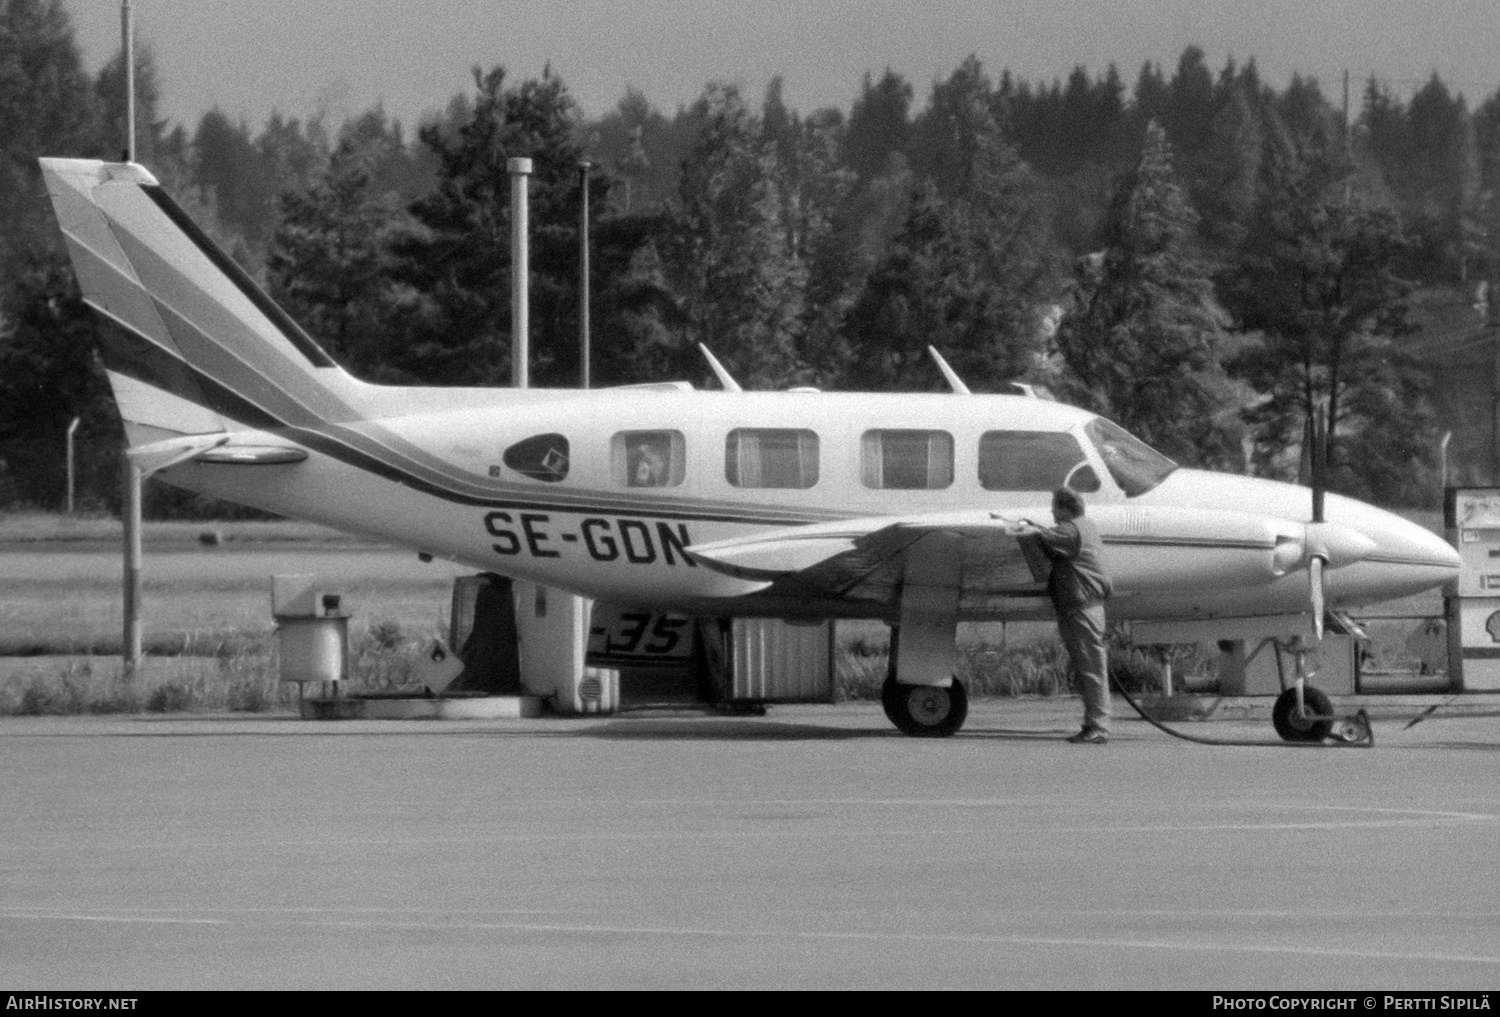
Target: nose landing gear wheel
925 711
1313 726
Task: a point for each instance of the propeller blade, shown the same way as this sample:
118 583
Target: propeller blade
1315 594
1319 461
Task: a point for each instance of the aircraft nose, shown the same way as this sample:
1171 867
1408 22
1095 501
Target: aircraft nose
1428 549
1407 556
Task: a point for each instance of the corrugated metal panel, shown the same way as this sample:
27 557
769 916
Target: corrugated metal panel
777 662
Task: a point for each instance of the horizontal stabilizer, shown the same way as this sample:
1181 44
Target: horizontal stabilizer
159 455
219 449
251 455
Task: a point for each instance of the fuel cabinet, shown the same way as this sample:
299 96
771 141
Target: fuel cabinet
1472 518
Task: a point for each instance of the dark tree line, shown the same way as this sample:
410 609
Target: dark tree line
1199 255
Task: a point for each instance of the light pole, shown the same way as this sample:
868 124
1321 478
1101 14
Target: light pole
1443 458
131 478
130 474
72 429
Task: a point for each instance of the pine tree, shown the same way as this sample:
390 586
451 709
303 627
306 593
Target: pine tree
969 270
967 277
1318 279
1145 341
904 305
295 155
329 262
957 131
879 124
397 171
730 255
455 266
47 107
819 210
644 150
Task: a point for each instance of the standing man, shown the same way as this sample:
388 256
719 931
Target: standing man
1078 588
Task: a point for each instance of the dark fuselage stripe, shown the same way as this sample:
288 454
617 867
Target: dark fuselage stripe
1245 545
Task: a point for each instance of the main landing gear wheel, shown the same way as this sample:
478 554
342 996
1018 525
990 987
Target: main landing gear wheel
1294 727
925 711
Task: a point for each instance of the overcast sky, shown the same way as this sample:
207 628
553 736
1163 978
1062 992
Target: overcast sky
298 56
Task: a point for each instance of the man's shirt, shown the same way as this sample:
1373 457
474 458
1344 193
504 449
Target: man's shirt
1074 548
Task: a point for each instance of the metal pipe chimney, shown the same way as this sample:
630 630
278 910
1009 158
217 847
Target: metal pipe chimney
127 57
520 274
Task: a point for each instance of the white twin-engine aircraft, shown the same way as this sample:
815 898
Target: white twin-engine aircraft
792 505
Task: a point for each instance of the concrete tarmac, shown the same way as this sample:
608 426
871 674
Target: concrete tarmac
811 848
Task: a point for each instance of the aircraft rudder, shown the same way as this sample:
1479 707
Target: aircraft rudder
181 321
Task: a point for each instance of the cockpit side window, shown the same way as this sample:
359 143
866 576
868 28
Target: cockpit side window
1033 461
1135 466
543 457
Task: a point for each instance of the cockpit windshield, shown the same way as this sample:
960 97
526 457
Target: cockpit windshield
1136 466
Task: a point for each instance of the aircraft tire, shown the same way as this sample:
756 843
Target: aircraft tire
925 711
1293 728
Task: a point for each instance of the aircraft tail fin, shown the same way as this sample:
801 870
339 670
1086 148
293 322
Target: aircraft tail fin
191 344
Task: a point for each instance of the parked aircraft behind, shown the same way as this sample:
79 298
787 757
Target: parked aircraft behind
899 507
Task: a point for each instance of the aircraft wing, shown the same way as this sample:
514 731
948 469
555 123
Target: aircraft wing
865 559
1149 552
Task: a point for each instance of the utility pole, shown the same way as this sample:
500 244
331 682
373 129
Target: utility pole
583 275
1494 401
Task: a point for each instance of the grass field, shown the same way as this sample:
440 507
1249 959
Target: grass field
206 611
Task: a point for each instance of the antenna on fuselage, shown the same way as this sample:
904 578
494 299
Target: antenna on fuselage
725 378
954 381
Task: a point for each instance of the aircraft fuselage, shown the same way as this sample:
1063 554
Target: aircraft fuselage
575 511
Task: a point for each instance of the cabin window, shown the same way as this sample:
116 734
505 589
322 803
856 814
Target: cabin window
906 460
647 458
1033 461
543 457
771 457
1135 466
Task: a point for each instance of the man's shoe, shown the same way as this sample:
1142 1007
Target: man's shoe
1089 736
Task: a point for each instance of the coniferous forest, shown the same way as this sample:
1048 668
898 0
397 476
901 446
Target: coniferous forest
1193 251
